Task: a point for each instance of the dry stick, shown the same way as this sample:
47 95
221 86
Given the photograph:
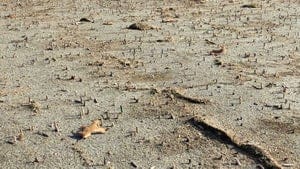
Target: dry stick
254 151
56 128
179 95
81 113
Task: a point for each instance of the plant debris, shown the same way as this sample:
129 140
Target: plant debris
34 106
86 20
166 39
218 51
107 23
93 128
42 134
96 63
249 6
181 96
21 136
169 20
209 42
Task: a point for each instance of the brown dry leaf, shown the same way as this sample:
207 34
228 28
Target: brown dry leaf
93 128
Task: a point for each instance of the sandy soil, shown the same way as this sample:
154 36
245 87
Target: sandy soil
168 98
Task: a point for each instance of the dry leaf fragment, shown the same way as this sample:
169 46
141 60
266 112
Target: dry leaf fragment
209 42
21 136
167 20
96 63
93 128
166 39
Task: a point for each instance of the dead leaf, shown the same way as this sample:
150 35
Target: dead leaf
93 128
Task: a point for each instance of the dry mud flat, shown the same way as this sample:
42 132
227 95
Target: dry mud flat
155 73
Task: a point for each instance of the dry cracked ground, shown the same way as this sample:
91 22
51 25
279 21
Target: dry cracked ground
147 70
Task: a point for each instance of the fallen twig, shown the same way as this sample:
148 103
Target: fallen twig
179 95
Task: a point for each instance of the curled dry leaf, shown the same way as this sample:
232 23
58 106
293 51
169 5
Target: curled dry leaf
93 128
